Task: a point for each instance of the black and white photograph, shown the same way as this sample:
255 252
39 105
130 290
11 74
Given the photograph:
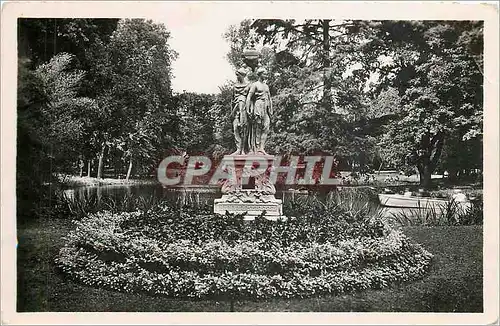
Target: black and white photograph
209 158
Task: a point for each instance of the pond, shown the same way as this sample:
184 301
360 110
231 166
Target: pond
156 191
203 194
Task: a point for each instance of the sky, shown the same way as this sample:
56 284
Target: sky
197 36
201 65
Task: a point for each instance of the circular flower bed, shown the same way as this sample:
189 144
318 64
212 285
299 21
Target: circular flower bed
188 253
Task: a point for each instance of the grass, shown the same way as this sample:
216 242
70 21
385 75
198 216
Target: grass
454 283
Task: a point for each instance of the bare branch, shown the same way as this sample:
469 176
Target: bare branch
342 25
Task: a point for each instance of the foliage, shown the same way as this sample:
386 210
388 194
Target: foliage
56 101
438 75
66 111
40 39
63 207
320 101
450 213
193 253
31 101
50 128
137 98
196 121
395 93
391 93
122 68
223 125
454 282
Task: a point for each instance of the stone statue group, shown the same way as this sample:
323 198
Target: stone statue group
252 111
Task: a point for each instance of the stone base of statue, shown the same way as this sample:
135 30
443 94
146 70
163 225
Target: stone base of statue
248 189
251 203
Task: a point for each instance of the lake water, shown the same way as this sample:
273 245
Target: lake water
156 191
196 194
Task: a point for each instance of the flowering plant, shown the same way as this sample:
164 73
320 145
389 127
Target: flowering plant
184 253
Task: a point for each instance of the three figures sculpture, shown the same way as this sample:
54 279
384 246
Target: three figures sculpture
252 111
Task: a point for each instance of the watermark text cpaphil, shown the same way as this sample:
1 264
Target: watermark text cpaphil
179 170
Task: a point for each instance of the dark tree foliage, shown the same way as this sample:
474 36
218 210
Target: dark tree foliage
42 38
437 69
138 95
90 88
32 164
318 108
197 114
399 94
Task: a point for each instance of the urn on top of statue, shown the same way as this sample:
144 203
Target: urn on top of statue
251 56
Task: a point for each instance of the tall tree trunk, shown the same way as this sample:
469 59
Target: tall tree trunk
89 167
425 174
325 23
129 168
45 41
101 162
429 161
452 175
380 167
55 37
81 164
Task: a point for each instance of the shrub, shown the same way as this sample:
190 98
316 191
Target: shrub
194 253
450 213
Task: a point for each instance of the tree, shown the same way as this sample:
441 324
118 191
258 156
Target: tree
65 111
49 126
40 39
322 45
138 97
223 124
109 92
318 108
197 122
32 164
437 69
138 143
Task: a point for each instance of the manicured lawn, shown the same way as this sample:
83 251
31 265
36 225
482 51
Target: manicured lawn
454 284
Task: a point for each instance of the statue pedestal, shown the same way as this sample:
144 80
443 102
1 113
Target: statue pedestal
251 203
248 188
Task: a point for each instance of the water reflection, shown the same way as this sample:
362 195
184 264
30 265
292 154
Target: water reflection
184 195
197 194
115 191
